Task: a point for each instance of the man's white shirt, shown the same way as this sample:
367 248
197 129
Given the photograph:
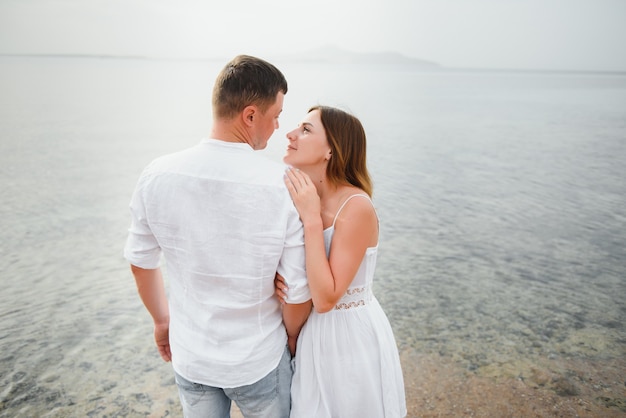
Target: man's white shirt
220 215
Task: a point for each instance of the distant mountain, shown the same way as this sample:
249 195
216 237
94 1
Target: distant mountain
335 55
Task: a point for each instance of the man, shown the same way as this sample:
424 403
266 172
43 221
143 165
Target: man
225 224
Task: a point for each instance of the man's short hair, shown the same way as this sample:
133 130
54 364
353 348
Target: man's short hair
246 81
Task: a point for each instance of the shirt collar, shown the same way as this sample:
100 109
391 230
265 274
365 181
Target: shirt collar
225 144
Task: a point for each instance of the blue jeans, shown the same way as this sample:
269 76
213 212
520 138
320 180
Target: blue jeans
267 398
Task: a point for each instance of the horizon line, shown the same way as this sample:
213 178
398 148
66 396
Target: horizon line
439 68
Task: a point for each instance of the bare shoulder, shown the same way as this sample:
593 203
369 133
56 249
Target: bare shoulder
357 206
357 223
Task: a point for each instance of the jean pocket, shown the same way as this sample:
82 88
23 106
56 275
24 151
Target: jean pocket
187 386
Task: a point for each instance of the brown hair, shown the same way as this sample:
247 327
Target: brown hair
347 141
245 81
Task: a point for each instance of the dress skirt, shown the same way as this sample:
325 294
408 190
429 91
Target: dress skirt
347 365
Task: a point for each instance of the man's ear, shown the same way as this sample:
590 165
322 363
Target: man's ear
249 114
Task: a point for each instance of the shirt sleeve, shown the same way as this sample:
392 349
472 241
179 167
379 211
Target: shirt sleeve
142 248
292 262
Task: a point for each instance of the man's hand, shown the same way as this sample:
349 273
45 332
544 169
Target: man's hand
152 292
162 339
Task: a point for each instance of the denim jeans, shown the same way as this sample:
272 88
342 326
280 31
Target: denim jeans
267 398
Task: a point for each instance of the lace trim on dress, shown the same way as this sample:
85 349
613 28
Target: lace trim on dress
354 297
349 305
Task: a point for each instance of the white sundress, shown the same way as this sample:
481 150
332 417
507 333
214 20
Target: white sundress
347 363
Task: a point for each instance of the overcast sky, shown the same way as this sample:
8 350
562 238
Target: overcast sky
523 34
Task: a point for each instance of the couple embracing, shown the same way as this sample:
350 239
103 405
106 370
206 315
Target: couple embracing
270 269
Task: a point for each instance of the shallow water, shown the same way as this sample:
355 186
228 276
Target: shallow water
501 198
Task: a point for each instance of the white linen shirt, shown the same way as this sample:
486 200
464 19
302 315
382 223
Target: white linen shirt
223 220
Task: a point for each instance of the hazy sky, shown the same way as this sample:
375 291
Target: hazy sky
526 34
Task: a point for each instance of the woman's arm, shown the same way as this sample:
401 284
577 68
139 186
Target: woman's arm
356 228
294 317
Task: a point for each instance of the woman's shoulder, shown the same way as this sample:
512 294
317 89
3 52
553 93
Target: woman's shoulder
355 203
357 221
354 194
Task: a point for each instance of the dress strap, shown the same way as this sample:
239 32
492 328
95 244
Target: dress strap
346 201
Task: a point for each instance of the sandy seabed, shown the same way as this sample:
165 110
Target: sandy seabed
437 387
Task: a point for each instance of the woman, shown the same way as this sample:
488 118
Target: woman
347 362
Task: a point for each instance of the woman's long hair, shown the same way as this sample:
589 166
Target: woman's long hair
346 137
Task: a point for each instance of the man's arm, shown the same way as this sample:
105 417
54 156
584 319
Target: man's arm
152 292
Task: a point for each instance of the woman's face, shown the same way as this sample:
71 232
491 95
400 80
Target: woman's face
307 146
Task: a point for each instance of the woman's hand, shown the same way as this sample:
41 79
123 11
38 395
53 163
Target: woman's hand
304 195
280 288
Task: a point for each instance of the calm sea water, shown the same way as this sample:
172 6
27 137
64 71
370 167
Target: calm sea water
501 196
